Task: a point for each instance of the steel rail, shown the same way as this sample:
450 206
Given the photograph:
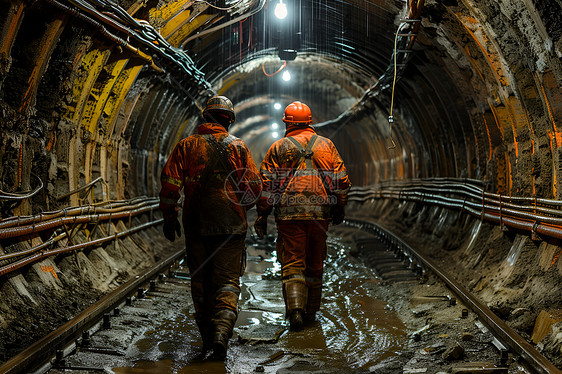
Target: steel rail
498 327
44 349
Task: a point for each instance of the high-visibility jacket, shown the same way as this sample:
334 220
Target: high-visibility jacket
219 178
302 183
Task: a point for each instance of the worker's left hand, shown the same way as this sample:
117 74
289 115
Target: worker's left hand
338 214
171 228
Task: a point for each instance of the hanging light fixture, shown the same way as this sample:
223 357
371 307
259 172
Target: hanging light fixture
277 106
274 126
275 134
280 10
286 76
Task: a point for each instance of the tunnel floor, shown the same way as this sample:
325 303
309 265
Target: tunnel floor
365 325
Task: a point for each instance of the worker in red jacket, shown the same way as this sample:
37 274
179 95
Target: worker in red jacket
305 180
220 182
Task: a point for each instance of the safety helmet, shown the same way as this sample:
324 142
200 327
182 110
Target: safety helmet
219 105
298 113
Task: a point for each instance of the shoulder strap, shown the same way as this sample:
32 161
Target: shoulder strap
307 157
306 154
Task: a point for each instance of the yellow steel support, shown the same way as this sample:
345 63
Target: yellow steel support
42 56
122 118
186 29
501 115
100 94
92 65
10 30
518 114
176 22
170 10
120 90
89 70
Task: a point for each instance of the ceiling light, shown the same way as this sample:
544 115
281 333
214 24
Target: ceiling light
286 76
277 106
280 10
274 126
275 134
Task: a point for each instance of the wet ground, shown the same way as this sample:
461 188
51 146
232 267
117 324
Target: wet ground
354 331
366 324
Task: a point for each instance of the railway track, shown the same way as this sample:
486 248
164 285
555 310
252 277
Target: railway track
396 261
419 264
49 350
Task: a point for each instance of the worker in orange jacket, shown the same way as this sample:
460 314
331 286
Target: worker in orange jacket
220 182
305 180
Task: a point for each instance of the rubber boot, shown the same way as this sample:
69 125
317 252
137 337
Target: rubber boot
313 301
295 292
223 323
206 331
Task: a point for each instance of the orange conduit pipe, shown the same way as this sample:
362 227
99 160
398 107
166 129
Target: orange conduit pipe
89 209
532 223
33 228
34 249
40 256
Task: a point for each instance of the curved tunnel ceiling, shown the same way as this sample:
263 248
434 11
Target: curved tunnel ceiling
92 89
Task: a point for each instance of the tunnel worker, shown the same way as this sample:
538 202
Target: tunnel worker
305 180
220 182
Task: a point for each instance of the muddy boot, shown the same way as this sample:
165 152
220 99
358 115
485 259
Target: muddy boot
313 301
205 328
295 301
296 320
223 322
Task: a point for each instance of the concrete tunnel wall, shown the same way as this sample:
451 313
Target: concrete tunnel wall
479 98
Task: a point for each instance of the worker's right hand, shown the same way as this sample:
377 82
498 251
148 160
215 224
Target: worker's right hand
338 214
261 226
171 228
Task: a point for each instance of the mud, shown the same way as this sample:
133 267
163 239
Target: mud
47 294
515 276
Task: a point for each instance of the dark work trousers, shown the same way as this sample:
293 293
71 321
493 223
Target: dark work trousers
216 263
301 247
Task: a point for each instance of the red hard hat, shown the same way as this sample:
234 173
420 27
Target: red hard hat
297 112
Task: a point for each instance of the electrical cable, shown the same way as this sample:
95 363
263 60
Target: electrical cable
278 70
223 25
390 117
21 196
219 8
140 31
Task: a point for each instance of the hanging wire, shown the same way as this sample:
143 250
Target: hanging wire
390 117
219 8
278 70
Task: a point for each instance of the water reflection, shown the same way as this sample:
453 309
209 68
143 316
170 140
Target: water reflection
354 330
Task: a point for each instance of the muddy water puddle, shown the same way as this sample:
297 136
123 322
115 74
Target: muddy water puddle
354 330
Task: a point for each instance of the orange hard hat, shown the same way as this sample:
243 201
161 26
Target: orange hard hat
297 112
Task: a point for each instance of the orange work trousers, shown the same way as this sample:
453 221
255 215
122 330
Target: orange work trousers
216 263
301 247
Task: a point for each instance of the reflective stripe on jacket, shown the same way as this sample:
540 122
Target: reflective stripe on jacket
301 189
219 187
